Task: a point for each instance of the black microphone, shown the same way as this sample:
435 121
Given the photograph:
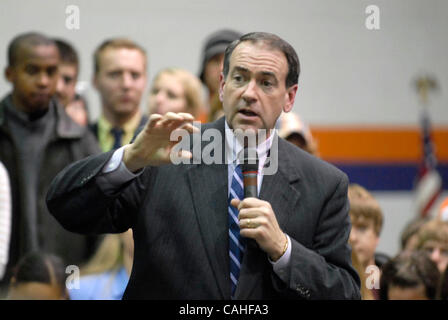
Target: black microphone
249 166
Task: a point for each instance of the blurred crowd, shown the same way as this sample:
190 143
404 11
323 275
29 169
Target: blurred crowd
45 125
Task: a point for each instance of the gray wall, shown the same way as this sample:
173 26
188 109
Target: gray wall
350 75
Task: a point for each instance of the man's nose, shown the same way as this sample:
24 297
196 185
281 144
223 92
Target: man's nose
43 79
352 237
126 80
60 85
435 254
250 93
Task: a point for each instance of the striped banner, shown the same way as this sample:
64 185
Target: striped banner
381 158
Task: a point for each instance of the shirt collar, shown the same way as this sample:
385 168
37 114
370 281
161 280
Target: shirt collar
233 147
129 126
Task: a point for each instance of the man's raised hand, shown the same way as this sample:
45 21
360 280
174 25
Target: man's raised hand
152 146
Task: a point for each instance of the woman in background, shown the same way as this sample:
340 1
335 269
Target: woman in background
176 90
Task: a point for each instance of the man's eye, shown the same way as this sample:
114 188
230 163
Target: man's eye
114 74
31 70
266 83
361 228
68 80
237 78
52 71
135 75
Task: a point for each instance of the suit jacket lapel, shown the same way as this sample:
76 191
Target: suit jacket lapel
280 191
208 184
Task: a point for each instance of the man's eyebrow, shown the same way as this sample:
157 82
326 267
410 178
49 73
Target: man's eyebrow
268 74
240 69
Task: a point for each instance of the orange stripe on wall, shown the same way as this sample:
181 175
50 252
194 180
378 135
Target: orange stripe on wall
377 144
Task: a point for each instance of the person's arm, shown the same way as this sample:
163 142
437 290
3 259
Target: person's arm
76 199
326 271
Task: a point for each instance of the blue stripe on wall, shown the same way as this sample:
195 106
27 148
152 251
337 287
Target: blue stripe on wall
387 177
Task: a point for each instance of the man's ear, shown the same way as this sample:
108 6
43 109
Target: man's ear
9 74
222 82
290 97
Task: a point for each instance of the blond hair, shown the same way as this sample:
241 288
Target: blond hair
433 230
192 88
366 294
116 43
364 205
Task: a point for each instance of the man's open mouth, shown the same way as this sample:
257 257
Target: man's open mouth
247 112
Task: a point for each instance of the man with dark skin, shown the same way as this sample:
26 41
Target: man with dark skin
33 73
37 139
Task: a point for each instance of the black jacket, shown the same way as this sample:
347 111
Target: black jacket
68 143
178 214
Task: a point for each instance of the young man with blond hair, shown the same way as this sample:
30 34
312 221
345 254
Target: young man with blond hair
120 78
433 238
367 221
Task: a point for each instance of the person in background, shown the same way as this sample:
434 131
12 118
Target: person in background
367 221
196 236
39 276
175 90
107 273
293 129
5 218
73 103
68 72
409 238
120 78
366 294
411 275
37 140
211 67
433 238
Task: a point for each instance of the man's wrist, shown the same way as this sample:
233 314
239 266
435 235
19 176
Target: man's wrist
284 248
129 160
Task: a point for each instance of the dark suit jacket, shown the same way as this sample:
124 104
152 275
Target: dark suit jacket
178 214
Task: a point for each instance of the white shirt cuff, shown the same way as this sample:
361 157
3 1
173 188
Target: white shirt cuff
282 263
114 174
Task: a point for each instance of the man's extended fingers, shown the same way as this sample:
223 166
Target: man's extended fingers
171 119
153 119
190 128
186 116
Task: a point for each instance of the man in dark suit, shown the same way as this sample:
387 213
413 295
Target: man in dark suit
291 241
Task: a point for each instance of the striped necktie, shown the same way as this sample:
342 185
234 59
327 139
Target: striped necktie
236 242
